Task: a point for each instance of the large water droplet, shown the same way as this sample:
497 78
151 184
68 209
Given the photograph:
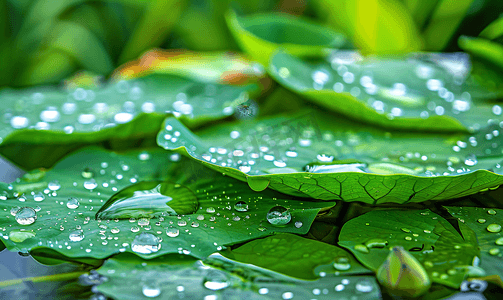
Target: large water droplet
20 235
151 290
364 286
54 185
149 199
216 280
172 232
471 160
87 173
377 243
26 216
72 203
241 206
279 215
334 168
342 263
38 197
76 236
145 243
90 184
495 228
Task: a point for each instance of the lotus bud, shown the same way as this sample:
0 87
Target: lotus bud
403 275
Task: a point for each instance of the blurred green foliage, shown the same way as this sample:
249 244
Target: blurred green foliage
45 41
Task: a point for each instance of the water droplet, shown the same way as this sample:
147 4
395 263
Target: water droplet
14 210
54 185
405 230
26 216
19 122
72 203
362 248
471 160
342 263
143 222
90 184
263 291
135 229
298 224
76 236
115 230
210 210
20 235
87 173
149 199
145 243
339 287
495 228
377 243
216 280
491 212
172 232
364 286
279 215
144 156
241 206
38 197
481 221
151 290
50 115
494 251
499 241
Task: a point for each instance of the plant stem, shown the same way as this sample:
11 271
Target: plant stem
55 277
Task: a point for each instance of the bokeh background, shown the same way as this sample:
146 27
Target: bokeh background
46 41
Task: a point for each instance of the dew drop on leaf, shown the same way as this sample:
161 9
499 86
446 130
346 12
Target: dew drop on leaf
14 210
90 184
172 232
298 224
54 185
279 216
149 199
495 228
364 286
145 243
135 229
26 216
499 241
241 206
342 263
72 203
18 236
216 280
38 197
151 290
481 221
491 212
494 251
88 173
362 248
76 236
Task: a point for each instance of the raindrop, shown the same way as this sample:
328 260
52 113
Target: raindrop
38 197
26 216
87 173
20 235
216 280
339 287
263 291
135 229
495 228
364 286
90 184
241 206
76 236
471 160
279 215
172 232
145 243
151 290
378 243
14 210
499 241
491 212
362 248
50 115
144 156
149 199
342 264
72 203
19 122
287 295
298 224
54 185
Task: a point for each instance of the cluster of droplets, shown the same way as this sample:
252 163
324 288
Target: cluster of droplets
85 110
433 90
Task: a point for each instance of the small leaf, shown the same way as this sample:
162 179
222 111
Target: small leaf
261 35
296 256
446 255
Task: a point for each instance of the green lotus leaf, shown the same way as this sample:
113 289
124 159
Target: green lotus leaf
486 223
447 255
319 155
45 123
60 210
431 94
260 35
296 256
173 276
